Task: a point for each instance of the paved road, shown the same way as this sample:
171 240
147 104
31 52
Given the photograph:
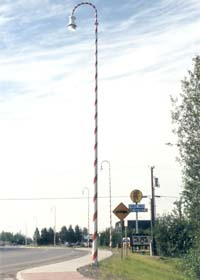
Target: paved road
13 259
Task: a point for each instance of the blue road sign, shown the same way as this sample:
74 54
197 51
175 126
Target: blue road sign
138 210
136 206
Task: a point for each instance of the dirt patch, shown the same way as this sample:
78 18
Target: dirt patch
90 271
94 272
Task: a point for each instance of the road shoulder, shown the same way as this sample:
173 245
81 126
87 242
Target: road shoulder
63 269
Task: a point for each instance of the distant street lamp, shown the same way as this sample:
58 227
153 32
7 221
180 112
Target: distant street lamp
54 229
106 161
88 214
36 221
72 26
26 233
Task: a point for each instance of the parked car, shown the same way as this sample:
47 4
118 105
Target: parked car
68 244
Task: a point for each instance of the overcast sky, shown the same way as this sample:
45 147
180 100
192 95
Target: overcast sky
47 105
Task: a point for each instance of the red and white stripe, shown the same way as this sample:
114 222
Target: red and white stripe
95 198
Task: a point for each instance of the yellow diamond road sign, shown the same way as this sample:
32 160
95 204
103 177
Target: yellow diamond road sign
121 211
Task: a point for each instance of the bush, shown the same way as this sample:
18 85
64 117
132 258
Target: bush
192 261
173 236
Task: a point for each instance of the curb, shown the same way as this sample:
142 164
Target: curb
64 266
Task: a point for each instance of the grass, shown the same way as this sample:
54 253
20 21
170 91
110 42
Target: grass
140 267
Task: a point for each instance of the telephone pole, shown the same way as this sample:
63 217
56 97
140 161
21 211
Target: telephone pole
154 251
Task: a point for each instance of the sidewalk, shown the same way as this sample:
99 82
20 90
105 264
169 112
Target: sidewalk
61 271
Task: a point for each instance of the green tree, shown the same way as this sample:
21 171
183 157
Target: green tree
186 120
173 233
85 231
104 238
44 237
50 236
36 236
63 234
71 235
116 238
6 236
19 239
192 260
78 234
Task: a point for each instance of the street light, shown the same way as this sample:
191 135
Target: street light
88 214
72 26
36 222
26 233
54 230
106 161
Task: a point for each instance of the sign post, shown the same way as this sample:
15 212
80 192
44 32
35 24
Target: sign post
126 244
121 211
136 197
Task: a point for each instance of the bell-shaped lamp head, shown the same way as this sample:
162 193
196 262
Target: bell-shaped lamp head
72 25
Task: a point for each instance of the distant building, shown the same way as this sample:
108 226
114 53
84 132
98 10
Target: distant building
143 225
141 240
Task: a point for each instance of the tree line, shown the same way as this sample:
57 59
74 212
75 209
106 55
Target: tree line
46 236
178 233
70 235
14 238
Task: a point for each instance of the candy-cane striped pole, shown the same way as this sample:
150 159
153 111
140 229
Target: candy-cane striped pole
72 25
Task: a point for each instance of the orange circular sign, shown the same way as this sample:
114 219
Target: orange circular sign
136 196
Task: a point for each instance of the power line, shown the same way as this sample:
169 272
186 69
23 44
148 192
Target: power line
53 198
75 197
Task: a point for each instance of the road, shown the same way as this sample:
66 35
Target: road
14 259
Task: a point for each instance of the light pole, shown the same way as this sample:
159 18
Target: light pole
36 222
88 214
108 162
72 26
54 235
26 233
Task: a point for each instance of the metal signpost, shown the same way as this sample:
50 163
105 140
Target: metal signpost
121 211
136 196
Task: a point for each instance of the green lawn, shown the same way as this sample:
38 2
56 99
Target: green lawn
140 267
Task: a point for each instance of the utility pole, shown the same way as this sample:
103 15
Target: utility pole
154 251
